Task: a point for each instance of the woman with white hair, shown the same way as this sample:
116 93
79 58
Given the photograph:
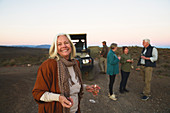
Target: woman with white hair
112 68
59 86
147 61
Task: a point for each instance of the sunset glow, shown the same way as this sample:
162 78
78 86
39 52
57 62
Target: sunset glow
125 22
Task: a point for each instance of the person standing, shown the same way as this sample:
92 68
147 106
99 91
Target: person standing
126 62
59 87
112 68
103 58
147 61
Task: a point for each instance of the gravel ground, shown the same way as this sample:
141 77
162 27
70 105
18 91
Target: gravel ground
16 84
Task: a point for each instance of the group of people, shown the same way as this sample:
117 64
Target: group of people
109 64
59 86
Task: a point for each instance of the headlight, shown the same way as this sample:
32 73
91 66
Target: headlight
86 61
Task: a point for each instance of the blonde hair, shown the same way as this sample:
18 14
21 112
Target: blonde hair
53 49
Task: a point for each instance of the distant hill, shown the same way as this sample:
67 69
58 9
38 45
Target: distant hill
18 56
45 46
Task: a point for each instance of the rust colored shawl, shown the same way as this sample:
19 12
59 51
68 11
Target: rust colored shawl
50 78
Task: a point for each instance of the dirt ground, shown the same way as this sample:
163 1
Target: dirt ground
16 84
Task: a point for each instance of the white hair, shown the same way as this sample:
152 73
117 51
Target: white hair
53 48
146 40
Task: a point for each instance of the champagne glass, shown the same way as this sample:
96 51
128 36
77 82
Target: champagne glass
132 64
142 54
95 91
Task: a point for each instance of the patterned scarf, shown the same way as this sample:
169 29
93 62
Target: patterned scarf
64 77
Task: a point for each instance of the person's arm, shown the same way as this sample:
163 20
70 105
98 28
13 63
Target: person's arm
42 85
112 59
122 60
49 97
104 51
154 55
101 54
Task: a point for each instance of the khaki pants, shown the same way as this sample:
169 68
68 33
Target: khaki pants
103 64
146 72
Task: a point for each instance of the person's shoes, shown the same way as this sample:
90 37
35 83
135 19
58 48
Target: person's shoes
126 90
102 72
145 97
121 91
113 97
143 94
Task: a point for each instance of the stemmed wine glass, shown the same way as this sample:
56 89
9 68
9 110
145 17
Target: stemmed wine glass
95 91
132 64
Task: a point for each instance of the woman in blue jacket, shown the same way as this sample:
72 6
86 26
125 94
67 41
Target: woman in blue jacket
112 68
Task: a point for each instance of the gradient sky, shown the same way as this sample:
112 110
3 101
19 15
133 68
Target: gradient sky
126 22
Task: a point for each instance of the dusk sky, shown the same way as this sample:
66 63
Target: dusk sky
126 22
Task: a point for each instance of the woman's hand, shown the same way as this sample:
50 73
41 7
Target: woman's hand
129 60
93 88
119 57
68 103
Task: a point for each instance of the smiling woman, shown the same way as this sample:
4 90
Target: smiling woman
59 88
64 46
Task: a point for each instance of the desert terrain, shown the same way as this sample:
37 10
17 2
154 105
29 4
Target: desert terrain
17 79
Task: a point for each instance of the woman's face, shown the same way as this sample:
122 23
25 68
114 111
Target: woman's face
63 46
126 50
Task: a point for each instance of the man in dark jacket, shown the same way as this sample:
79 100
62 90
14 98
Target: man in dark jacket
103 58
147 61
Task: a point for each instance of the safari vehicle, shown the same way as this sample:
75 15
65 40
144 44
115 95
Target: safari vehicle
82 53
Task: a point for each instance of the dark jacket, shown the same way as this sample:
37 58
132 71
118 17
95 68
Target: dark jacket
148 53
104 51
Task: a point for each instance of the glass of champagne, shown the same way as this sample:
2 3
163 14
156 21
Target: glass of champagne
94 92
132 64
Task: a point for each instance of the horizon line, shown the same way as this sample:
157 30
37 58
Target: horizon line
159 46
